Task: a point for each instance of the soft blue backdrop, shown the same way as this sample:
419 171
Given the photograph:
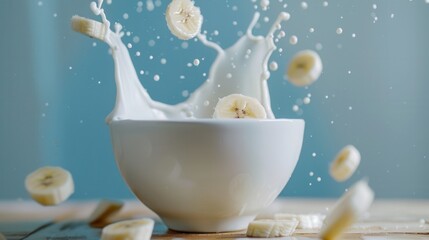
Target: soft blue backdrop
57 86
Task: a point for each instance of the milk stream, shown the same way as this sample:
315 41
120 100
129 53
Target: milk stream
242 68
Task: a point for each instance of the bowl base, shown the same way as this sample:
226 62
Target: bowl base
198 225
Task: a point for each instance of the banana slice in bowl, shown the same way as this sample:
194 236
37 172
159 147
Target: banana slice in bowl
239 106
184 19
304 68
50 185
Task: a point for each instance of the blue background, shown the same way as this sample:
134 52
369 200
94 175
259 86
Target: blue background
56 88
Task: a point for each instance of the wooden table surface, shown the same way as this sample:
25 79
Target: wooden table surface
387 219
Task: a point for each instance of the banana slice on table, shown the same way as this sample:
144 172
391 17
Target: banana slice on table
304 68
49 185
345 163
267 228
183 19
239 106
305 221
139 229
349 208
104 210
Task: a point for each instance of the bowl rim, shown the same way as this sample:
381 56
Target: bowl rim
209 121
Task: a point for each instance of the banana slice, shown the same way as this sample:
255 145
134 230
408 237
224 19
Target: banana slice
104 210
345 163
89 27
139 229
267 228
305 221
183 19
239 106
49 185
349 208
304 68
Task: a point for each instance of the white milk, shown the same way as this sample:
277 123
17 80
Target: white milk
242 68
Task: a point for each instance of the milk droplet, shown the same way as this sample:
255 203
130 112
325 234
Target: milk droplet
319 179
311 30
339 31
149 5
350 108
136 39
156 77
125 16
141 72
185 93
163 61
229 75
325 3
314 154
274 66
295 108
311 174
266 19
353 35
304 5
196 62
264 4
374 6
184 45
293 40
151 43
306 100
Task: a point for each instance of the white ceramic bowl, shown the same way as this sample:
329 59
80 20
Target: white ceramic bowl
207 175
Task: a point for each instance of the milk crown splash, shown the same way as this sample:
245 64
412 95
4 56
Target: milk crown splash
242 68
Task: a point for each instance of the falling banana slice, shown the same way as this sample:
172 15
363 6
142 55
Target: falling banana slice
305 221
49 185
139 229
345 163
104 210
89 27
268 228
239 106
183 19
349 208
304 68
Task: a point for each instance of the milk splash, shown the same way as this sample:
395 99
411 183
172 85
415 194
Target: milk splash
242 68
